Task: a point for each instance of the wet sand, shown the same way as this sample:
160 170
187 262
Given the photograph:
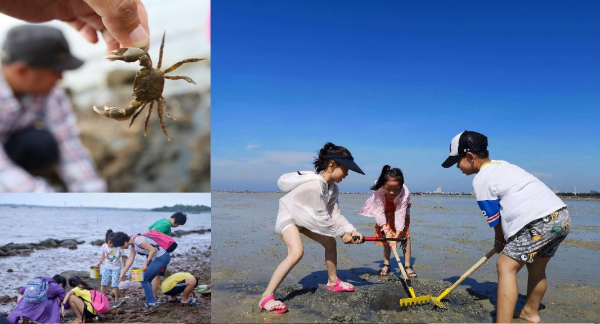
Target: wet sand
448 236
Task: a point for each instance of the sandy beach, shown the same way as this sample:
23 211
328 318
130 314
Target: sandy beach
448 237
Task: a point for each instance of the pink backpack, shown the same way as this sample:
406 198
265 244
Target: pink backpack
100 302
164 241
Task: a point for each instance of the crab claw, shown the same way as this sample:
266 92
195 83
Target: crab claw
127 54
119 113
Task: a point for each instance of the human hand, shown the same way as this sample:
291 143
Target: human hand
390 234
347 238
356 233
62 311
123 22
122 278
99 263
145 266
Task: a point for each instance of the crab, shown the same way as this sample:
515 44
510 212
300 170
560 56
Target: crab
147 87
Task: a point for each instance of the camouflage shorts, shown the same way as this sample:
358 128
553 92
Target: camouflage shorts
540 237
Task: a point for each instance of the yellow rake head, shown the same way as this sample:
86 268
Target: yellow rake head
437 302
415 301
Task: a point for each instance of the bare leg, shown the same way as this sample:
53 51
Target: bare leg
536 288
160 117
407 255
291 237
189 288
508 291
329 244
177 77
148 118
103 289
156 285
178 64
386 254
116 292
77 306
162 45
19 298
136 113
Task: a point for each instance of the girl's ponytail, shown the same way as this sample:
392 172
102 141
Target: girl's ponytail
329 148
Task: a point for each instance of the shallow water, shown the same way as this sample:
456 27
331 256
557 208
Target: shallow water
448 236
25 225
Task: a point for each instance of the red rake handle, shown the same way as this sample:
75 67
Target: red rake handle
376 239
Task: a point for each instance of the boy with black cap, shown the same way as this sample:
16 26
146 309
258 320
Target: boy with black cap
37 125
529 220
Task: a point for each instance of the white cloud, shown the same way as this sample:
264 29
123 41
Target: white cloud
542 174
252 146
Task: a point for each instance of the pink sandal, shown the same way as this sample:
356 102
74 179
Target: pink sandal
272 303
339 286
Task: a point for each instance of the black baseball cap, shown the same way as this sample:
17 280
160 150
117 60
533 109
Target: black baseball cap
39 46
464 142
345 160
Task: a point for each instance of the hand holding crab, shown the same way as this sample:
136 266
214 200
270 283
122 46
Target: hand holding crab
147 87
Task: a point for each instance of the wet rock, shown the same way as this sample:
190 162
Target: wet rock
10 270
48 243
2 253
97 242
72 247
70 242
6 299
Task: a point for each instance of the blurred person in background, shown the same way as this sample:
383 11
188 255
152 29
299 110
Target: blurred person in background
38 128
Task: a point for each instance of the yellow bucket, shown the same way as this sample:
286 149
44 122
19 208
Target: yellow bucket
137 275
94 272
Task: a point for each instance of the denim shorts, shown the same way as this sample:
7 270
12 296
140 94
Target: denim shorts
108 274
540 237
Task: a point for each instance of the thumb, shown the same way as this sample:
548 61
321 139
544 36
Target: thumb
125 20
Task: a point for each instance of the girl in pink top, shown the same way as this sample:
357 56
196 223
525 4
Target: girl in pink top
390 206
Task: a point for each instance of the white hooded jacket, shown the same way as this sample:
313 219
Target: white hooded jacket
311 203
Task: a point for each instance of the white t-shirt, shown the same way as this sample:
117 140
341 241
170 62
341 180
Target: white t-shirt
112 257
508 194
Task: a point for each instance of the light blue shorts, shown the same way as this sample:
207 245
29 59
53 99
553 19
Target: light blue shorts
108 274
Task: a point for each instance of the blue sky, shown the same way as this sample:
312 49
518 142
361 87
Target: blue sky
118 200
394 81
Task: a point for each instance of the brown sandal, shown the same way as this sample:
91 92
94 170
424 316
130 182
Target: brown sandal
412 273
385 270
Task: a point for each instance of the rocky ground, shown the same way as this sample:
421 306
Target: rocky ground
196 262
12 249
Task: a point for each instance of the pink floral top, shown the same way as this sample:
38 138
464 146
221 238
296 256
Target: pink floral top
375 207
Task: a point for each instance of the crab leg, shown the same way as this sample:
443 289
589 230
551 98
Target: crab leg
167 113
162 45
178 64
136 113
177 77
148 118
161 106
120 113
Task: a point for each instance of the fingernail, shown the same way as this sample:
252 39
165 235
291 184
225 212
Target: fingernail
139 37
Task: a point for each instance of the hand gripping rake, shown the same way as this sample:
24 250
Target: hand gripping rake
437 301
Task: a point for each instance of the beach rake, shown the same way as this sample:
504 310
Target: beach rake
413 300
437 301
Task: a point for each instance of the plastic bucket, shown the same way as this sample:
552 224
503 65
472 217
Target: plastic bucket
94 272
137 275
